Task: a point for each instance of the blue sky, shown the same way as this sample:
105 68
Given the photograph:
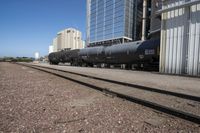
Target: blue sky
28 26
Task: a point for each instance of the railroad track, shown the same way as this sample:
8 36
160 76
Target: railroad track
177 104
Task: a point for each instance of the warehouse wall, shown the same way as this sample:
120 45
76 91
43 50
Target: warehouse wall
194 41
180 44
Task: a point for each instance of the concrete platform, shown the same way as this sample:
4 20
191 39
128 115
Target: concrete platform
186 85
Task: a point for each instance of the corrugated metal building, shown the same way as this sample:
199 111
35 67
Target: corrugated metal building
180 37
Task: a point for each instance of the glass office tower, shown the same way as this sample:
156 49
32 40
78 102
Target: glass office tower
113 21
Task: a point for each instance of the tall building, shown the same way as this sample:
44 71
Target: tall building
69 39
113 21
180 37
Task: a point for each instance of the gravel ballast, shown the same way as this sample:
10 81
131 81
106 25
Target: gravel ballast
34 101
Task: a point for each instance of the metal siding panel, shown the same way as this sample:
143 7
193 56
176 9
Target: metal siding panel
179 41
198 33
167 44
189 50
191 43
197 39
182 41
167 41
175 52
171 40
196 52
175 42
196 47
185 40
178 50
163 43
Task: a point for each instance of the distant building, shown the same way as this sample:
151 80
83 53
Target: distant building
55 47
50 49
114 21
37 55
68 39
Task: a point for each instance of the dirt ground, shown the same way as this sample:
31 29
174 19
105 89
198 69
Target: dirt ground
34 101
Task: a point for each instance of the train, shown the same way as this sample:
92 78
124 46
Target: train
138 55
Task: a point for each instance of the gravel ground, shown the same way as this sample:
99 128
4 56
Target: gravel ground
34 101
174 102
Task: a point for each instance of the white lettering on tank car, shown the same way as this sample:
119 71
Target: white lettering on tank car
149 51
